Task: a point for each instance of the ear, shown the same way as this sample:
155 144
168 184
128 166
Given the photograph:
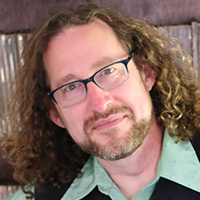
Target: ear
148 76
55 118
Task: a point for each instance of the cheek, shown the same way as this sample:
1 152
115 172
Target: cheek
73 119
134 94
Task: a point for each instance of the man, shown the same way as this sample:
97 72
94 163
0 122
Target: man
124 105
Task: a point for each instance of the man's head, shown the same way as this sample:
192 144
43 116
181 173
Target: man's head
110 123
73 45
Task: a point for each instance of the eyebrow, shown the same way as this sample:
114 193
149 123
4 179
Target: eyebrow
64 80
105 61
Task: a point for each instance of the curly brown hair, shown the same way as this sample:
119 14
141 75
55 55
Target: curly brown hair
34 144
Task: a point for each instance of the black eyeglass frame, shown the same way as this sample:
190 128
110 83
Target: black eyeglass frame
91 78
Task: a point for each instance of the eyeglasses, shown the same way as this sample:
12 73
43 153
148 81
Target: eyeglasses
107 78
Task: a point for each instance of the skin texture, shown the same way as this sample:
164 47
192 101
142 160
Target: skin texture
109 124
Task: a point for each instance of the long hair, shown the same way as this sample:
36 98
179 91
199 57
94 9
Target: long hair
44 154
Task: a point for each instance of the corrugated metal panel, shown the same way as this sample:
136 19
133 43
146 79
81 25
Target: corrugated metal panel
11 47
6 191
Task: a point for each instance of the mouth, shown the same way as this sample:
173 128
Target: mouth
109 122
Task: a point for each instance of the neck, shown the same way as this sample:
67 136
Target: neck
132 173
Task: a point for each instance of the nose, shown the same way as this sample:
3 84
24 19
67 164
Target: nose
98 99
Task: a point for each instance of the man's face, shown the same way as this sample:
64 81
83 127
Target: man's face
109 124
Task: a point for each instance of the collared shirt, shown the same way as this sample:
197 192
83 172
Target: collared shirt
178 163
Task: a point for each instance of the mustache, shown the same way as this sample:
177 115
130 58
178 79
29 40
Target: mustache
88 123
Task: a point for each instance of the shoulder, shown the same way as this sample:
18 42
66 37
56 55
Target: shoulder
18 195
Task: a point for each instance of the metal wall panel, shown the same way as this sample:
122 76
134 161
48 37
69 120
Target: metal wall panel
11 47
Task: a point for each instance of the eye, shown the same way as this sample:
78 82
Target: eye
108 71
71 87
68 88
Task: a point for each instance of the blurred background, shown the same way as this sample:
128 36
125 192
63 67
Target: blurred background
18 18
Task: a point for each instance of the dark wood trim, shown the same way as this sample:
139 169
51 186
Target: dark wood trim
24 15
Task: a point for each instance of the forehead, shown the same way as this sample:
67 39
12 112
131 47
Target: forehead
77 48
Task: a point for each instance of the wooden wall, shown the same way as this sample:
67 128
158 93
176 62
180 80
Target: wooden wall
23 15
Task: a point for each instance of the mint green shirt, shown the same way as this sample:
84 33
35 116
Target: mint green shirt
178 163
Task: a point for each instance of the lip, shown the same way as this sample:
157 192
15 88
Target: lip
108 122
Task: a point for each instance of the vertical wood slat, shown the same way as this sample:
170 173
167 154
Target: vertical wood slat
182 33
198 50
189 40
184 36
195 46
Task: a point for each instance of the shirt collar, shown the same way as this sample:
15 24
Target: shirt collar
83 185
93 174
179 162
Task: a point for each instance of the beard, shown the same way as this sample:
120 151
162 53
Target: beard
116 148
